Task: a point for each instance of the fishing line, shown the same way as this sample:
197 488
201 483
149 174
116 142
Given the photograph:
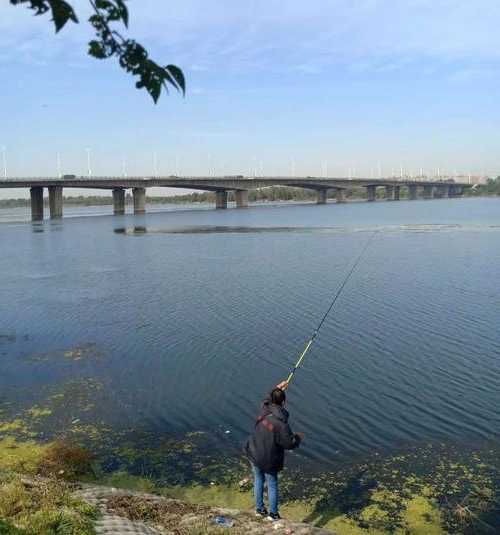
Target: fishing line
332 304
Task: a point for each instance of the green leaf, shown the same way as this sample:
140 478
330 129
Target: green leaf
39 6
97 22
112 10
97 50
123 11
154 89
178 76
62 12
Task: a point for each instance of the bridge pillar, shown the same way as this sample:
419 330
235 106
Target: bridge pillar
428 191
221 200
321 196
372 193
119 201
455 191
340 195
241 196
397 191
56 202
444 191
36 194
139 200
389 193
412 192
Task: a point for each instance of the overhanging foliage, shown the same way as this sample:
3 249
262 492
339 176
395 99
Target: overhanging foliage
131 55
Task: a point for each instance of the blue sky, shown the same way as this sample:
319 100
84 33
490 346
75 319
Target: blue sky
272 85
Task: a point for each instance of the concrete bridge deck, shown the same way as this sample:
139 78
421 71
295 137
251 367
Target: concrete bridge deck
221 186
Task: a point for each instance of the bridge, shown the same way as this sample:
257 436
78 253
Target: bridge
222 186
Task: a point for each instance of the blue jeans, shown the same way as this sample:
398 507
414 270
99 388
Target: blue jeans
272 489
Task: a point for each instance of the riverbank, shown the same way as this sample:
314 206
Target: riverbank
35 505
429 491
433 489
123 511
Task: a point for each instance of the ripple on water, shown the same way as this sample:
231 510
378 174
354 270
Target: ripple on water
199 321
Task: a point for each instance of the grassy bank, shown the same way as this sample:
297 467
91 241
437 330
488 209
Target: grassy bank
401 495
35 496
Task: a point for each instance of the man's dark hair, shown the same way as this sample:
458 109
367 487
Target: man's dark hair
278 396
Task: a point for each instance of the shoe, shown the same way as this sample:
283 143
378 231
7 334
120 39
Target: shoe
261 513
273 517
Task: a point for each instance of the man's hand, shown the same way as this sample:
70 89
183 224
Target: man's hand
301 436
283 385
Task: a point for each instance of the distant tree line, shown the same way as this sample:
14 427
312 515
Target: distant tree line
492 187
272 194
275 193
93 200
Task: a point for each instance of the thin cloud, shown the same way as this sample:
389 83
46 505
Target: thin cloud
313 37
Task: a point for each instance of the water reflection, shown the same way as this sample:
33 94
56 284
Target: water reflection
240 229
131 231
49 225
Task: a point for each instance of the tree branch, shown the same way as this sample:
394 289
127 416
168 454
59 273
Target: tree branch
131 55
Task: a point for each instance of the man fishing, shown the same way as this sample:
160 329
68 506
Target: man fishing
272 435
266 447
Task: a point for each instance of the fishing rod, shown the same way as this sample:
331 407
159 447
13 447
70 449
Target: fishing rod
332 304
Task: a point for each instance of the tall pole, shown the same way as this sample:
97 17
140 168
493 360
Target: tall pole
4 161
89 168
124 167
379 170
324 169
59 170
155 165
209 160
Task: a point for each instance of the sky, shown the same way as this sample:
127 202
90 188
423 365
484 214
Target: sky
274 87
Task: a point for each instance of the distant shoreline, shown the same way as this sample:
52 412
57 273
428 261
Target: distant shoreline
255 196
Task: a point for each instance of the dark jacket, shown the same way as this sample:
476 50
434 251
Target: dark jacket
272 436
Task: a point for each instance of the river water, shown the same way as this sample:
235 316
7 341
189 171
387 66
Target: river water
188 316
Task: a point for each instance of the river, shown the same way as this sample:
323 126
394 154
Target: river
186 317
